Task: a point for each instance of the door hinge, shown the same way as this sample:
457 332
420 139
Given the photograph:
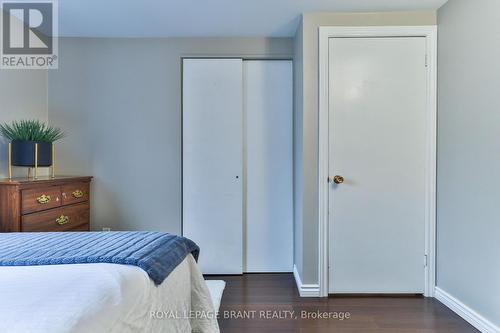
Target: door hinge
426 61
426 261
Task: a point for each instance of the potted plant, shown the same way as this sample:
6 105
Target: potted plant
24 134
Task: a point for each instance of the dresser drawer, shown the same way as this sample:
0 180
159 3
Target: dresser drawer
83 227
74 193
39 199
60 219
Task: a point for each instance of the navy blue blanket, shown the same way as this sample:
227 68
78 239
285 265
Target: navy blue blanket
156 253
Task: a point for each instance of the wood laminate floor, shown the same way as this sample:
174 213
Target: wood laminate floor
265 303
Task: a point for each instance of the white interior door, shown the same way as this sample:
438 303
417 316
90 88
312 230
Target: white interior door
268 104
212 162
378 144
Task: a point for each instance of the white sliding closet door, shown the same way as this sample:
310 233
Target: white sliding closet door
212 162
268 160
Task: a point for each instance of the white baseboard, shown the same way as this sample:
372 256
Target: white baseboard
471 316
305 290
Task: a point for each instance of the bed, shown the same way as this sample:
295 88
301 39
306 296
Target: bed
48 296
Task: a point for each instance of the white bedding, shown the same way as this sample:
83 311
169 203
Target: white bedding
98 298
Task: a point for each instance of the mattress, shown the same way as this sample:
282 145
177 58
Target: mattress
101 297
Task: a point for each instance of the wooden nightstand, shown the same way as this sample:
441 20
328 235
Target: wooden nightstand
45 204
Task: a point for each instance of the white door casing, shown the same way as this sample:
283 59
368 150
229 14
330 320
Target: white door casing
429 33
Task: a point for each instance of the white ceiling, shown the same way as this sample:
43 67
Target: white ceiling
206 18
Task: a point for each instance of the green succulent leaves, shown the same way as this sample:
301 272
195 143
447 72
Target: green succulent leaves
30 130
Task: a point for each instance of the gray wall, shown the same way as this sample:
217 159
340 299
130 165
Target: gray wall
307 110
468 259
23 95
120 102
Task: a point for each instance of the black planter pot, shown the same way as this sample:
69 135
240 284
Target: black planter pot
23 153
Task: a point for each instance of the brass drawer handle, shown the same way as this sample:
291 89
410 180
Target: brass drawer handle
43 199
62 220
77 194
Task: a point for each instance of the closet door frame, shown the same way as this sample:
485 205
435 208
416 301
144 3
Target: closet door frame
244 178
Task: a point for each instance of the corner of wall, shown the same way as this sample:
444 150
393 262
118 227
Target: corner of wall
305 290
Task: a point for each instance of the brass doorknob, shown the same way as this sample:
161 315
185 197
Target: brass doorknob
338 179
